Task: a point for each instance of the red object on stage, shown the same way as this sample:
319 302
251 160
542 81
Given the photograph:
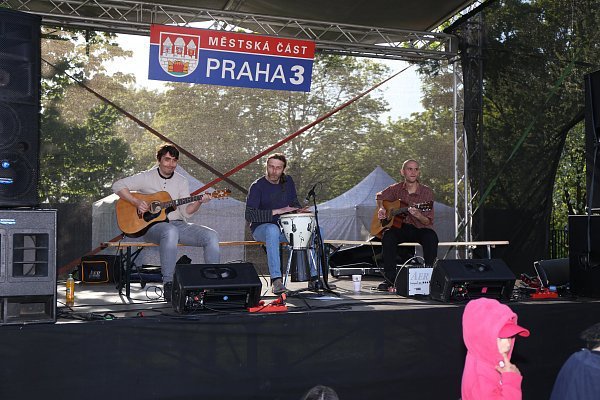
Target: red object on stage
544 294
277 305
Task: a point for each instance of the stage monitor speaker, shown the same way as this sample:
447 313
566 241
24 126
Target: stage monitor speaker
584 255
206 287
461 280
28 267
19 108
552 272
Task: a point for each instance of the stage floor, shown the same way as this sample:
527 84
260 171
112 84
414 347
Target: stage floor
364 345
92 301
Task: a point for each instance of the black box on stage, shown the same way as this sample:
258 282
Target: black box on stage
459 280
413 280
584 255
99 269
215 286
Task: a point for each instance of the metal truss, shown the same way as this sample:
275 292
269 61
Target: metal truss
135 17
462 188
468 134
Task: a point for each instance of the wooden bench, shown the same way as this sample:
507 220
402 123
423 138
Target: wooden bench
128 257
489 244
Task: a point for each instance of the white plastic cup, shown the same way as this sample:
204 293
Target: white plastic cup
356 280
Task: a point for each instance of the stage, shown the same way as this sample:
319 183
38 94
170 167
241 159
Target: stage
364 345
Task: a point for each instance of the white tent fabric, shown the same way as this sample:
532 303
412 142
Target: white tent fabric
225 215
348 216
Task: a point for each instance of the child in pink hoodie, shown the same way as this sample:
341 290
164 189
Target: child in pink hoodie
489 330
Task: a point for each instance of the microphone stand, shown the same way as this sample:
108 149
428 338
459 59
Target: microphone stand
322 268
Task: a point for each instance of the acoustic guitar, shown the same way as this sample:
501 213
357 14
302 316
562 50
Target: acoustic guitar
133 223
395 212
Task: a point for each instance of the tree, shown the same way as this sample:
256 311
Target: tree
80 153
226 126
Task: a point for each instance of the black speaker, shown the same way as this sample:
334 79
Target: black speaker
592 137
28 266
584 255
458 280
19 108
206 287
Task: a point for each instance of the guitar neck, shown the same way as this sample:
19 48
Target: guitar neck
178 202
398 211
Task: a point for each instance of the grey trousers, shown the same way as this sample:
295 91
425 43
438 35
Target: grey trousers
168 234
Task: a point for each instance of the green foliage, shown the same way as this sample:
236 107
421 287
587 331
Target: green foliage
227 126
80 153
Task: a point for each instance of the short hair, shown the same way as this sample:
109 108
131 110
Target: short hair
591 336
278 156
410 160
165 148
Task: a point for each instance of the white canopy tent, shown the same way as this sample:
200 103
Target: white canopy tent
348 216
225 215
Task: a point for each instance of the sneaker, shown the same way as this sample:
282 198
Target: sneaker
313 285
278 287
167 291
384 286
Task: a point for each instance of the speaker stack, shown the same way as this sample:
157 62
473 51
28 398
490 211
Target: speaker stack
27 235
19 108
207 287
462 280
584 255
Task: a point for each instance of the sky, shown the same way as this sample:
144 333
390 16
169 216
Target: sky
403 93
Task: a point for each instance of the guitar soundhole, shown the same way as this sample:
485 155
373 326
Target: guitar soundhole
148 216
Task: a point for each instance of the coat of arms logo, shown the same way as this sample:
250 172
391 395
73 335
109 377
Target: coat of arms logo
178 55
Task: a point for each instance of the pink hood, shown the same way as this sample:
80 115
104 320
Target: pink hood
482 321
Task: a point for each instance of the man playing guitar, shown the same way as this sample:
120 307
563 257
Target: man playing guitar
415 226
174 229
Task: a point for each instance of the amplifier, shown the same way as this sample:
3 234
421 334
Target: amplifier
202 287
413 281
99 268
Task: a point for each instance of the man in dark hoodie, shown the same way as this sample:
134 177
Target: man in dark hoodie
489 331
579 377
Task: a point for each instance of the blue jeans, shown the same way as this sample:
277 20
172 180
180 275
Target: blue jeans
272 236
168 234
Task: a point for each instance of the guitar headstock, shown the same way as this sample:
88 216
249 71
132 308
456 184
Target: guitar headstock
220 193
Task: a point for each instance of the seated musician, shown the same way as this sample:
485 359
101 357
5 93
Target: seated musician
269 197
416 225
168 233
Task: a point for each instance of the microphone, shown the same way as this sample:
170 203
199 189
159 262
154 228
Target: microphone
311 192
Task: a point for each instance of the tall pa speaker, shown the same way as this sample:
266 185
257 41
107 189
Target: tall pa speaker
584 255
592 138
460 280
206 287
19 108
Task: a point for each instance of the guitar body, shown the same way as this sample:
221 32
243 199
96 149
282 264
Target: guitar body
380 225
129 219
134 224
395 213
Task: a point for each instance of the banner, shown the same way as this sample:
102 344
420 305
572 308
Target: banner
230 59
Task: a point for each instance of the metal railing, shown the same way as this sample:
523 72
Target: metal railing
559 243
